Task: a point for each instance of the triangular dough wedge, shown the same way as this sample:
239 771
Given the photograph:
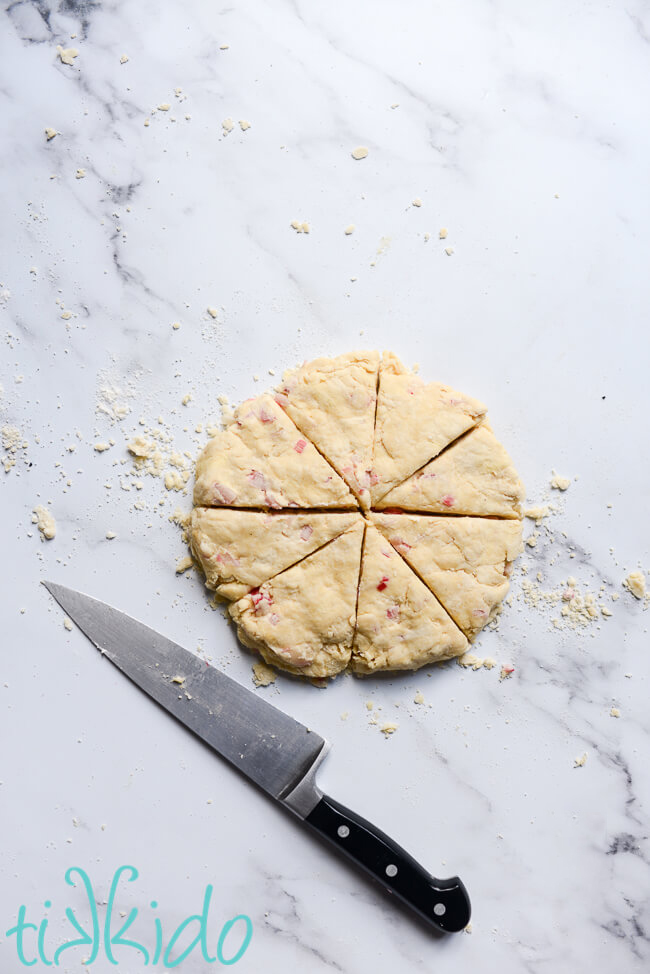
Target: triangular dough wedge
303 619
415 421
465 561
400 624
474 476
238 550
333 400
262 460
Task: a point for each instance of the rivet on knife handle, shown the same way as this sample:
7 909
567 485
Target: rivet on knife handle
443 903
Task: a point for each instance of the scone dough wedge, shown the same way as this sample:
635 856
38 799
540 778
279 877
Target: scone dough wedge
400 623
465 561
262 460
239 550
415 421
333 401
474 475
303 619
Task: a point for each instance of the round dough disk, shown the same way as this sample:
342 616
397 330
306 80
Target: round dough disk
357 516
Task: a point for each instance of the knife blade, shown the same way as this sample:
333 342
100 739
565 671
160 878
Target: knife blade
273 750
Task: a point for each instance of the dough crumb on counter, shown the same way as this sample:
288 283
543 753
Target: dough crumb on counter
183 564
615 712
506 671
449 251
66 54
124 58
538 513
417 201
227 125
263 675
50 133
419 697
300 226
560 483
635 583
581 761
101 447
442 233
244 125
110 535
80 174
360 152
212 312
12 442
68 624
44 521
349 229
164 107
388 728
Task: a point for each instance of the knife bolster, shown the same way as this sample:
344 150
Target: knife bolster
303 797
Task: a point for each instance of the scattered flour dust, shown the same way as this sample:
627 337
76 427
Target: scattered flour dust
575 609
12 444
44 521
263 675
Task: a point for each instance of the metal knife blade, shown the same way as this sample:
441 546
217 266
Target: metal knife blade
272 749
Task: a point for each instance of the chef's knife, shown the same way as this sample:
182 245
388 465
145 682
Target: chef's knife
276 752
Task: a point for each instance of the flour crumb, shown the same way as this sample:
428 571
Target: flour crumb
227 125
537 514
635 583
68 624
417 201
110 535
183 564
50 133
560 483
615 712
449 251
388 728
418 698
164 107
66 315
66 55
101 447
345 715
263 675
44 521
124 59
300 226
468 928
12 442
581 761
180 680
176 325
442 233
349 229
360 152
244 125
369 705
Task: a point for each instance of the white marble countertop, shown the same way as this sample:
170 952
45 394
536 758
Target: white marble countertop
523 130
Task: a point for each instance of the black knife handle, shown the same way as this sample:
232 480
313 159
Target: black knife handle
443 903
